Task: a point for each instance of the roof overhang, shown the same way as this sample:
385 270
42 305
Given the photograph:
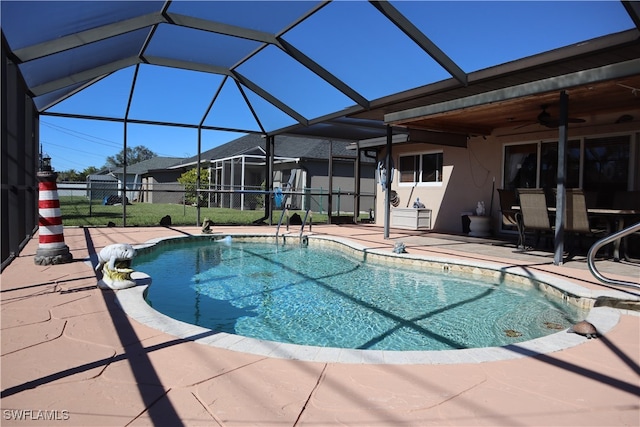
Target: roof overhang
588 86
415 136
601 77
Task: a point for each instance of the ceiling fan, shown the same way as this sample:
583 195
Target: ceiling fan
545 119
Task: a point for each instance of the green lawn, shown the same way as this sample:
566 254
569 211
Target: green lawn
76 211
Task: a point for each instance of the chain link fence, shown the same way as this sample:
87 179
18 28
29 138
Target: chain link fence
97 198
314 199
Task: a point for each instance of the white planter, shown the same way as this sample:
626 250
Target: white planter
480 226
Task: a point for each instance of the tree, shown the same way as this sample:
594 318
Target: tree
134 155
72 175
188 179
68 176
88 171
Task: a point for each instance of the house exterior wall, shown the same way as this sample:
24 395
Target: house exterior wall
467 179
161 188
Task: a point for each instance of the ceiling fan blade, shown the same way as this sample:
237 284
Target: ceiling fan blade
524 125
545 119
554 123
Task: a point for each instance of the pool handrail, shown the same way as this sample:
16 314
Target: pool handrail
599 244
304 222
284 211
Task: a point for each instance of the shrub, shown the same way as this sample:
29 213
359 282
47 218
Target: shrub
188 179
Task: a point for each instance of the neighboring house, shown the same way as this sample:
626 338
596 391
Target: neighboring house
149 180
301 165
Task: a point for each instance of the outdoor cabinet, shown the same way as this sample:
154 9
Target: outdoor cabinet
411 218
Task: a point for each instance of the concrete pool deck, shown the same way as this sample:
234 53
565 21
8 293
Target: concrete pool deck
71 356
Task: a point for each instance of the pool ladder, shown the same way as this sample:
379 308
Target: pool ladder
307 216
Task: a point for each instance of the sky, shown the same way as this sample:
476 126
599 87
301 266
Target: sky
351 39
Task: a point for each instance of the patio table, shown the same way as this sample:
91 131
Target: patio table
616 217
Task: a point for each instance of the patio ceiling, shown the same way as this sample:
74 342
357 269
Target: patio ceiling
266 60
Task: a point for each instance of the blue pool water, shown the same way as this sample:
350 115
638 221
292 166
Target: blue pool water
317 296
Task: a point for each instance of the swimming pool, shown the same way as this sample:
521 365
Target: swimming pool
340 297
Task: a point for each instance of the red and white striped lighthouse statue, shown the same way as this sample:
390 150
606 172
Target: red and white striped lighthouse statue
51 248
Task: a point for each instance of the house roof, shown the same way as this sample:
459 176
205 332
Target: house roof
285 146
145 166
62 49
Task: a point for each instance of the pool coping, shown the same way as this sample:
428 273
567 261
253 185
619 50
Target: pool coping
132 301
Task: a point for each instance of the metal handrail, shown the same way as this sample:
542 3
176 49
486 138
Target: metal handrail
282 214
304 222
599 244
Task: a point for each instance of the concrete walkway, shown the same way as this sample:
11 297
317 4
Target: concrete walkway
71 356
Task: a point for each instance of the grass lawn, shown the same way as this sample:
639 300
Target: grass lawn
76 211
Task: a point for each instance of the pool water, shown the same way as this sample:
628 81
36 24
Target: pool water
324 297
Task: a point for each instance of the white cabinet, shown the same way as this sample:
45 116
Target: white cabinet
411 218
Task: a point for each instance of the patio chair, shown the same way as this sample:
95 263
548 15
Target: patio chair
509 199
534 214
577 222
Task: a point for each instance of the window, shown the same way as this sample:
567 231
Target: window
606 167
421 168
520 166
599 166
549 163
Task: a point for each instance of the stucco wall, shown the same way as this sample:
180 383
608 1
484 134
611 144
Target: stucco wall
468 175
